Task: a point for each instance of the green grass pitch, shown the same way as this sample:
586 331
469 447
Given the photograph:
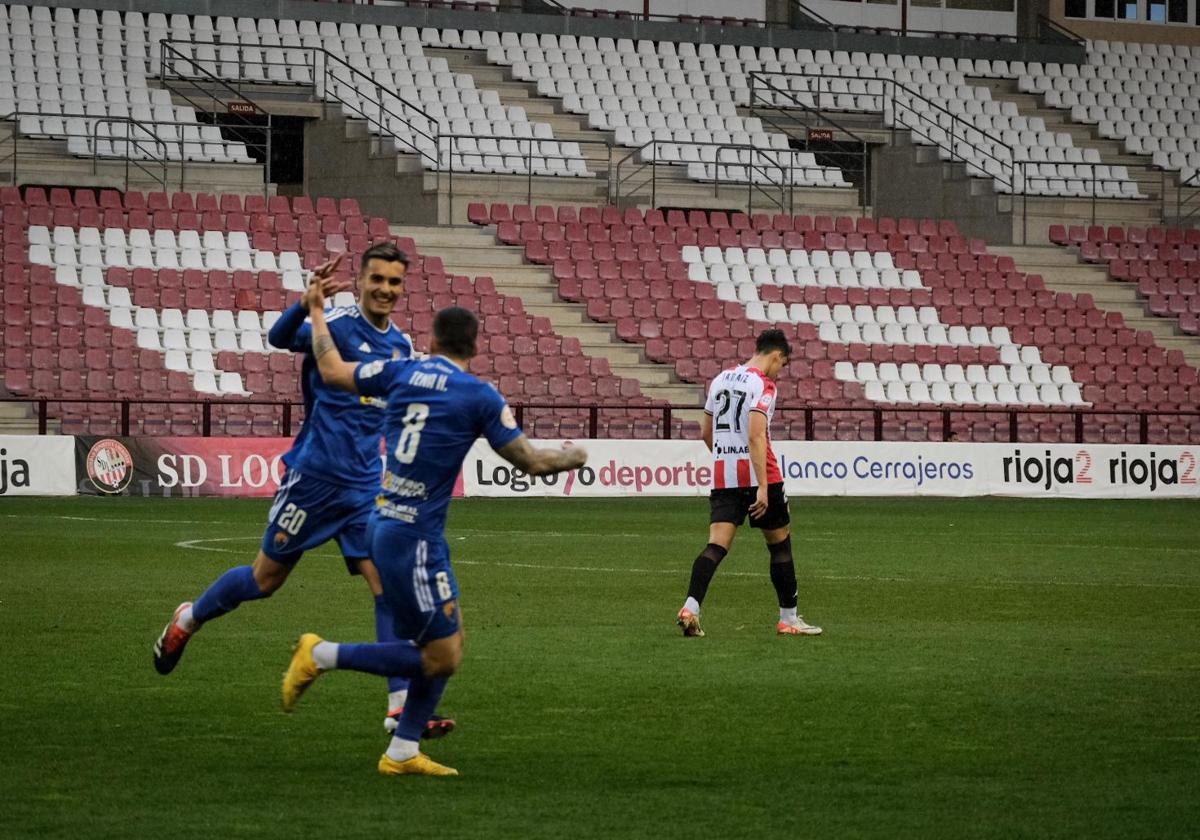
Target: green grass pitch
990 669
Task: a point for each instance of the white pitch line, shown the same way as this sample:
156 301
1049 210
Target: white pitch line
999 584
1020 541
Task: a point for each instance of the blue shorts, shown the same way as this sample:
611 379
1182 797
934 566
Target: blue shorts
308 512
418 582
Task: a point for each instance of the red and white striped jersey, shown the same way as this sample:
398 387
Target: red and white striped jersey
731 397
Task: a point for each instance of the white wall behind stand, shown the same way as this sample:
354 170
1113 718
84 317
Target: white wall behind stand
713 8
855 13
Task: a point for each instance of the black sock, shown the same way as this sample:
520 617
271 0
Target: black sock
783 573
703 570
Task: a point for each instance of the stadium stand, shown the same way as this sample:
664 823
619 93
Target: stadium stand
168 297
1163 262
1141 94
896 314
86 81
685 96
888 312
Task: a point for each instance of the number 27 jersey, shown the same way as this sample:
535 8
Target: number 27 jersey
732 396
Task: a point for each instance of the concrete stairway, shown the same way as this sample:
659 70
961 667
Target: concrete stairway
473 251
1064 272
18 419
1159 188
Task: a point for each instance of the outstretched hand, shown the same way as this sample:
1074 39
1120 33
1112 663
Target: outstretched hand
576 456
323 283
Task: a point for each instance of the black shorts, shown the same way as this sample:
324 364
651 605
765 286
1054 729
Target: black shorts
732 504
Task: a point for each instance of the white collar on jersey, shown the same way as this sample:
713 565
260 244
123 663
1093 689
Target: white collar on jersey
461 367
383 331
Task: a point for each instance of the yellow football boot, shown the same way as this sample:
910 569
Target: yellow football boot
419 765
302 670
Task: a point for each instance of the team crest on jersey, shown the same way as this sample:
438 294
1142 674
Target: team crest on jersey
281 539
448 608
109 466
396 356
507 419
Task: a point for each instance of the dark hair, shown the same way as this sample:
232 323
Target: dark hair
769 340
386 251
455 330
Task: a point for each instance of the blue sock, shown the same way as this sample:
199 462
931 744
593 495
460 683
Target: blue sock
385 631
423 697
389 659
229 590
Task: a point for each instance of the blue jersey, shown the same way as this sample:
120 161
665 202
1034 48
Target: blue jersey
435 412
339 442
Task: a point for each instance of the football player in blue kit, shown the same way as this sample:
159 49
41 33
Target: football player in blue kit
435 412
333 467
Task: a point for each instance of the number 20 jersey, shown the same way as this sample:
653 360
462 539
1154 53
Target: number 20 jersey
732 396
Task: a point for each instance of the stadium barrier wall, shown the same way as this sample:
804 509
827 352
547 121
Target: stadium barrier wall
37 465
828 468
166 466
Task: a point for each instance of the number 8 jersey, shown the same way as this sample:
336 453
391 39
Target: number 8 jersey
435 412
732 396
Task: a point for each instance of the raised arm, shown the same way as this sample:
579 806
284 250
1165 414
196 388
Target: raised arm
334 370
288 332
540 461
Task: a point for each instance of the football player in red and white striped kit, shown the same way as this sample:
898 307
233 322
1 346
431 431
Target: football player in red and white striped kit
746 481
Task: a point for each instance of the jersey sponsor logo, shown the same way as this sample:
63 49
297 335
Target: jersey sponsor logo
401 486
109 466
392 510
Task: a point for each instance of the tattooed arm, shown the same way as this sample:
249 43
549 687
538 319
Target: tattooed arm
334 370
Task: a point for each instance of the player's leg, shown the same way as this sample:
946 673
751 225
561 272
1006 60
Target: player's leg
385 632
295 524
419 586
728 509
397 687
776 529
355 542
235 587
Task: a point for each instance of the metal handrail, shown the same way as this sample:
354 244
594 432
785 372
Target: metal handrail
1062 33
150 135
648 153
795 6
1020 167
326 66
447 143
167 49
810 413
95 122
1193 198
766 80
